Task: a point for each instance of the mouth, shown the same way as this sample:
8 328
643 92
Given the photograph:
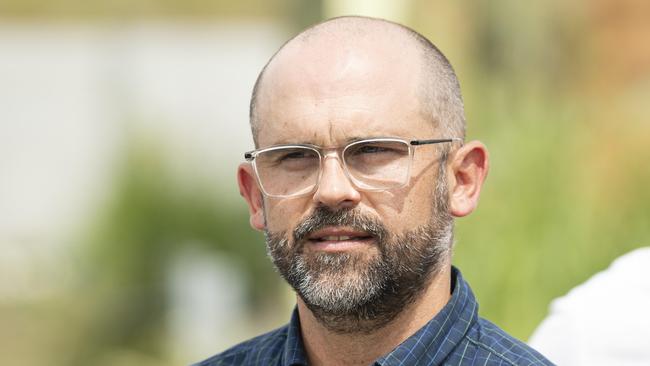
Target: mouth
334 239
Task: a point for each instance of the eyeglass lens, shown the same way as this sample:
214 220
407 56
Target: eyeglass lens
288 171
378 164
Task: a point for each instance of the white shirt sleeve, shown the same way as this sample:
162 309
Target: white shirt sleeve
604 321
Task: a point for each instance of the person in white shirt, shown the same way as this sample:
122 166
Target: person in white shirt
604 321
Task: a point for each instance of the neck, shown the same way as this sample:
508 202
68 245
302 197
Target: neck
324 347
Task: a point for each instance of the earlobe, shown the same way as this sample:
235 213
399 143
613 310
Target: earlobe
252 194
469 170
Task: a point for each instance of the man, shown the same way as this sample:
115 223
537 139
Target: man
359 170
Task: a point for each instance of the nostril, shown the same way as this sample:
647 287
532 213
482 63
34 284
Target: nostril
336 195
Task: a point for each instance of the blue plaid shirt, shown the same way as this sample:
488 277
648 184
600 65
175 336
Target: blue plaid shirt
455 336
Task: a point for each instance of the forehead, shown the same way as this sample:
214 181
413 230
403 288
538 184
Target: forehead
331 90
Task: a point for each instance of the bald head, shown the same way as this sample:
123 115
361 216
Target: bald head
341 54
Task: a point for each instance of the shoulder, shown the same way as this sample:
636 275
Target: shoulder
501 347
602 318
261 350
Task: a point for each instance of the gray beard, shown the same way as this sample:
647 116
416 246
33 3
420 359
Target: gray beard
358 292
349 292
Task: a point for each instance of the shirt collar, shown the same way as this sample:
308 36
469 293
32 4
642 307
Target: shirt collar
438 338
432 343
294 350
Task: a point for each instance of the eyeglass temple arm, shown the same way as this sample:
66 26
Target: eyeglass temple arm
436 141
249 156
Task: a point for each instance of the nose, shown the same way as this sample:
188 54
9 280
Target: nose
335 190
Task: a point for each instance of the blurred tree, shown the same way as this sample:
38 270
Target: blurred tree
147 221
295 13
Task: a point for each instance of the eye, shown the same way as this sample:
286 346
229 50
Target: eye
375 153
295 155
371 149
377 148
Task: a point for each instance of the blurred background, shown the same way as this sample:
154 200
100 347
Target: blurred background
123 239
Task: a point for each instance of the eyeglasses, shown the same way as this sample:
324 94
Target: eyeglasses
375 164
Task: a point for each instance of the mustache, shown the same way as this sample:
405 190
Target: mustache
323 217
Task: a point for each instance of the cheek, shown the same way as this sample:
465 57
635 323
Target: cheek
407 208
407 214
284 216
417 210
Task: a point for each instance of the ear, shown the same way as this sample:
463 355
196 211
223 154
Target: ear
469 169
252 194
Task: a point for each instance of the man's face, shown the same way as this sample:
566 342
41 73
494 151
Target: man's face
329 97
342 248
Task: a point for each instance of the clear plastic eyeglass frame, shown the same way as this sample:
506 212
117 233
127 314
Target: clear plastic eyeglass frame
251 156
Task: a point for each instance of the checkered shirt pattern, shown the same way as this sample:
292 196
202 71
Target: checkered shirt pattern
455 336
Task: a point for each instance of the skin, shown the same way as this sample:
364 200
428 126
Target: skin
327 91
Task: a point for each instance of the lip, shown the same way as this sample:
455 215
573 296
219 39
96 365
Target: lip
333 239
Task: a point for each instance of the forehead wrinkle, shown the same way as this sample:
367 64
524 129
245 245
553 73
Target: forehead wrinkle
293 111
332 126
331 131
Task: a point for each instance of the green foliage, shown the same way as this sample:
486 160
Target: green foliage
544 223
149 219
297 13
